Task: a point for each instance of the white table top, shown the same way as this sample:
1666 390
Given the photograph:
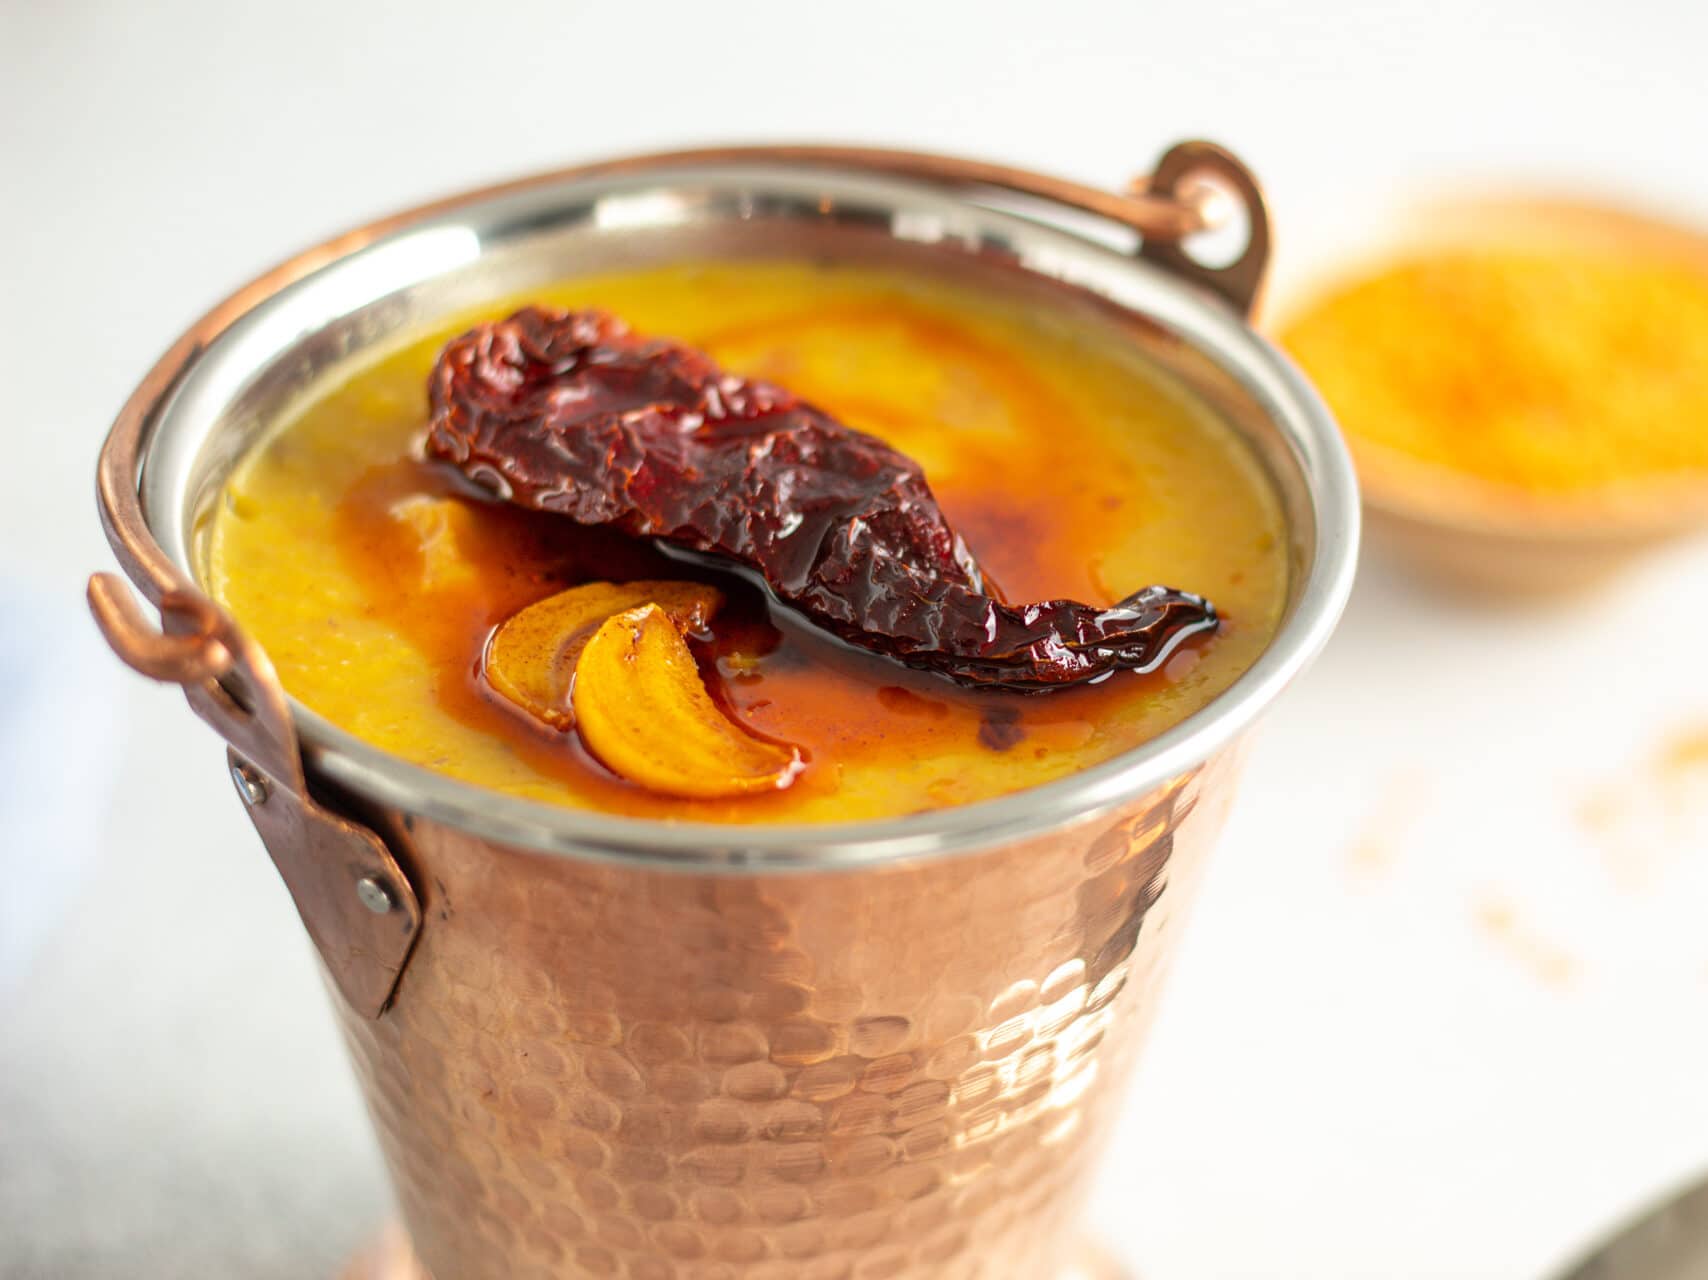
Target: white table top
1476 1036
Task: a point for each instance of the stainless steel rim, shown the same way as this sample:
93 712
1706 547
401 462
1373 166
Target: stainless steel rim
452 235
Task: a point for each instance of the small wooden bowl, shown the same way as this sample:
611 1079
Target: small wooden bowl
1490 538
1480 534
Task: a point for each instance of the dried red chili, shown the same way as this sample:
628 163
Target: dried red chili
569 412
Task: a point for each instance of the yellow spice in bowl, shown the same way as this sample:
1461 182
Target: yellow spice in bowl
1554 371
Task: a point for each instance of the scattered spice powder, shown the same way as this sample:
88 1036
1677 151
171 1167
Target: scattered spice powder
1618 821
1641 819
1380 837
1551 370
1543 959
1684 754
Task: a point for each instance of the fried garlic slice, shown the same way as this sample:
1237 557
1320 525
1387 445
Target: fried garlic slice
644 712
531 657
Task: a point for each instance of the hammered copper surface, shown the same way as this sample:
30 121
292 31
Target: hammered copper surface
593 1070
391 1257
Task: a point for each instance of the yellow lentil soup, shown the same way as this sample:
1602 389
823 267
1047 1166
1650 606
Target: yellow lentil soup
375 578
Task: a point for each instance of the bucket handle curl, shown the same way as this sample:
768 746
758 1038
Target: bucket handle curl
354 899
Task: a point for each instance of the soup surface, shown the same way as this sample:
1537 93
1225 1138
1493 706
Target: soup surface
1073 469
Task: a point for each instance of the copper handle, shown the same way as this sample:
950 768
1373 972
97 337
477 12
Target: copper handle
355 901
1164 208
156 653
1179 177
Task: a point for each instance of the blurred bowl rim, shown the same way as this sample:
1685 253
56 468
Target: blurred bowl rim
1625 510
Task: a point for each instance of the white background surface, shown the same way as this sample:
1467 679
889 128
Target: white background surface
1352 1077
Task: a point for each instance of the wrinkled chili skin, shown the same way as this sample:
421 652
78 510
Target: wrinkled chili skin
569 412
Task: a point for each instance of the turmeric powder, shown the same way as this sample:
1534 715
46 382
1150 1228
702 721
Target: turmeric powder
1552 370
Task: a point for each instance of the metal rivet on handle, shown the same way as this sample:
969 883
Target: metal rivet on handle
249 782
374 895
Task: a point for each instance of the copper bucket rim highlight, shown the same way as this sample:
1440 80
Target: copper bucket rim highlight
1204 308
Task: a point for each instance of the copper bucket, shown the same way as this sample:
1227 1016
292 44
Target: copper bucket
600 1047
